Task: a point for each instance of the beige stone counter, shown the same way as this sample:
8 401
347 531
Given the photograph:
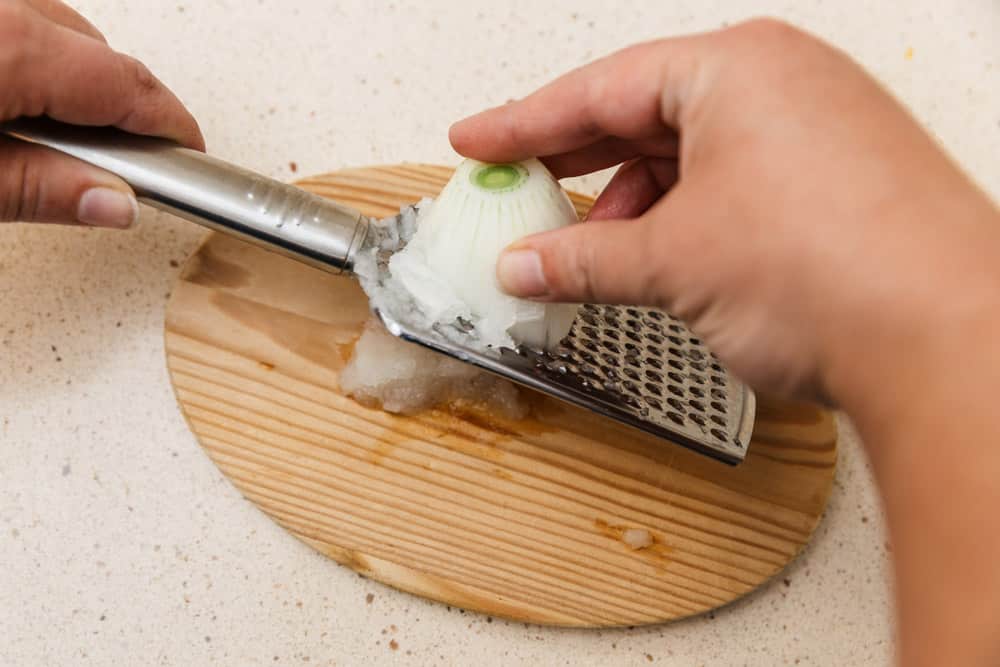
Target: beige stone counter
121 542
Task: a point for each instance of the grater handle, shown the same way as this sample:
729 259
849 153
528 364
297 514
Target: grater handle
211 192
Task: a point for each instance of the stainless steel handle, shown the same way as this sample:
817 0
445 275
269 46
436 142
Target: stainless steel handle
211 192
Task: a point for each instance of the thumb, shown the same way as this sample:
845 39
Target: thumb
38 184
610 261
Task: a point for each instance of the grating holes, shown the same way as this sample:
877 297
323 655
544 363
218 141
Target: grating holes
697 391
698 419
675 340
676 405
717 419
719 394
653 375
633 312
589 344
676 328
654 403
720 434
655 363
673 363
633 325
676 377
588 318
697 405
609 359
610 347
632 347
675 417
719 380
633 336
696 355
718 406
697 365
675 351
631 372
675 390
630 387
654 389
694 377
694 341
611 333
717 368
656 315
656 338
589 331
612 322
589 358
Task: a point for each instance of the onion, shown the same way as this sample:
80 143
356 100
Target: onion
448 267
637 538
388 373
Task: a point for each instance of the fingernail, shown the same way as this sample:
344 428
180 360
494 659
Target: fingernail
105 207
520 273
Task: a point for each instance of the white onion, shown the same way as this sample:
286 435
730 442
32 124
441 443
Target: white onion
449 266
637 538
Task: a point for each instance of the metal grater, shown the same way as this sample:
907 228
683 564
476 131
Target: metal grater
638 366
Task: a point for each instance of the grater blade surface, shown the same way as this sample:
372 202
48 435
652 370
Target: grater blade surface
638 366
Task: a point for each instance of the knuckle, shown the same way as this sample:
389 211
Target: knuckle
15 22
566 267
139 77
20 192
16 35
585 268
768 27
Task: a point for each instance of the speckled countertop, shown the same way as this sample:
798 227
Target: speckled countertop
122 543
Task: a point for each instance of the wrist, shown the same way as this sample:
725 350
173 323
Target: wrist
903 353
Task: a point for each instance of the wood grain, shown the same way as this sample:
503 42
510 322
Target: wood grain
521 519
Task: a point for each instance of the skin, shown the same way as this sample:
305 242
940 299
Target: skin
53 62
805 227
773 195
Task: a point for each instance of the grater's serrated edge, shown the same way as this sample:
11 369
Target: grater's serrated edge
512 365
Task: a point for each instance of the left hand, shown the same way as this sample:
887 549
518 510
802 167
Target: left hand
54 63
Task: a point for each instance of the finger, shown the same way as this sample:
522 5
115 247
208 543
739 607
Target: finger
635 187
619 96
610 261
608 152
64 15
76 79
40 185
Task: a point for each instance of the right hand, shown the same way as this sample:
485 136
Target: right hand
53 62
812 227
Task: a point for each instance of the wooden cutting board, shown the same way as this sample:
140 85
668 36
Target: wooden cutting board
522 519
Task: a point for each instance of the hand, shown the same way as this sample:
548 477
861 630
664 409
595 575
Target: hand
53 62
777 199
808 205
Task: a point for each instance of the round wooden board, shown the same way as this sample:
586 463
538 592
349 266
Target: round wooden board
516 519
